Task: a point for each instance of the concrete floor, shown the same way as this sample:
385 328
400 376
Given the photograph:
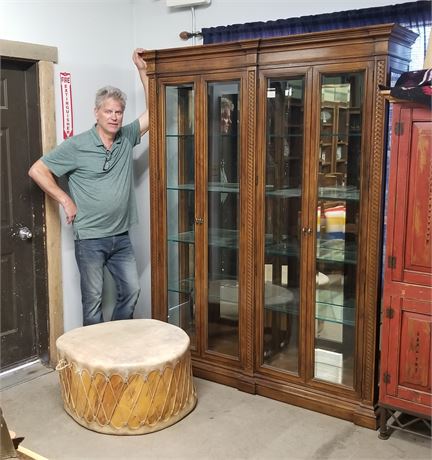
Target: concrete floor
226 424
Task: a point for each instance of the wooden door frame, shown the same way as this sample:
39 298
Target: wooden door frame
46 57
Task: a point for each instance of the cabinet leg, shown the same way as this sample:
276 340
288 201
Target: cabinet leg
384 431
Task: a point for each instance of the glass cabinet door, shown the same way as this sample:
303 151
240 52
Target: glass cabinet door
223 210
283 202
180 195
338 211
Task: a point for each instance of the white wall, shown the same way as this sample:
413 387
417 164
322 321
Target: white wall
95 43
95 39
158 26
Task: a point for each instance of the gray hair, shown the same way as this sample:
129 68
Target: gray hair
110 92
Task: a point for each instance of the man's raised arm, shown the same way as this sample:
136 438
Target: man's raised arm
142 70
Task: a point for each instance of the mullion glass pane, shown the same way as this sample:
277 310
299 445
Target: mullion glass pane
283 202
223 192
180 195
337 226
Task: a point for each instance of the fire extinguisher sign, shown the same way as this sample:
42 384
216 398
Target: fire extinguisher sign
66 95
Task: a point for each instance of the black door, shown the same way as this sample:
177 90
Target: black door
23 327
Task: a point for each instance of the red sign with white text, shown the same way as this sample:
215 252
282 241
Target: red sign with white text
66 94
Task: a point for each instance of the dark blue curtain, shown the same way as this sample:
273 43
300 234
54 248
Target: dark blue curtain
414 15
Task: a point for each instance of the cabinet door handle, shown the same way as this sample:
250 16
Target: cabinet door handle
304 230
309 231
199 220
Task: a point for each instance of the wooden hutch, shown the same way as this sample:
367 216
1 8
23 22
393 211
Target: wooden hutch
266 173
405 390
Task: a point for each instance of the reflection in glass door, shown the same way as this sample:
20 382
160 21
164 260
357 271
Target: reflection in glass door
283 202
180 179
223 217
338 210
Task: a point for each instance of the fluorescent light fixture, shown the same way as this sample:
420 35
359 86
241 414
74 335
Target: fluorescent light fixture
184 3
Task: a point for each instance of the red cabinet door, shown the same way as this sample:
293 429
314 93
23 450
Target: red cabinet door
406 376
409 255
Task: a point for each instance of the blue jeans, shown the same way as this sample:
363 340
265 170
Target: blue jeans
116 253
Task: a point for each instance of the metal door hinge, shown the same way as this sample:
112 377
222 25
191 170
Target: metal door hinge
398 128
386 377
391 262
389 312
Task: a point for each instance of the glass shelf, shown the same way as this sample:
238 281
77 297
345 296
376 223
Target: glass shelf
278 136
283 192
339 193
330 310
184 237
333 134
217 237
286 247
223 238
184 286
186 311
277 298
181 187
176 309
223 135
226 187
336 250
286 302
180 136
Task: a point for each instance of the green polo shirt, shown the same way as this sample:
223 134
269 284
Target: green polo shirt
102 191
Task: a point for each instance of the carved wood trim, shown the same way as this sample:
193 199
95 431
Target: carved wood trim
374 236
154 197
250 207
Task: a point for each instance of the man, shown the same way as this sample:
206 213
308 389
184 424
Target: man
101 206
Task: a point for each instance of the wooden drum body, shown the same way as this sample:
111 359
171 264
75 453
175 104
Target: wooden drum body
126 377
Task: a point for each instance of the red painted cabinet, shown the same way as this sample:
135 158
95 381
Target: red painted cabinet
406 373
